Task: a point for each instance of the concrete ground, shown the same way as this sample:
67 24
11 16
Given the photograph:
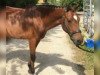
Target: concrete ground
54 56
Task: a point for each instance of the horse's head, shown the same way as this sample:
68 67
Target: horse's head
71 26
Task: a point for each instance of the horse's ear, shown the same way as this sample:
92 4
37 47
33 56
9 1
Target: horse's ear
71 8
78 18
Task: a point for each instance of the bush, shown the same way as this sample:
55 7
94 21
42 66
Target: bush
25 3
20 3
77 3
2 3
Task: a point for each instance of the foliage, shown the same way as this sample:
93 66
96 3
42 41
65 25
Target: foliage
77 3
20 3
2 3
24 3
83 47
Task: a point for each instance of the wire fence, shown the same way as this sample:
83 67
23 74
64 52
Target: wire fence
88 8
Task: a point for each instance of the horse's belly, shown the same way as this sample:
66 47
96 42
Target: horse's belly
16 31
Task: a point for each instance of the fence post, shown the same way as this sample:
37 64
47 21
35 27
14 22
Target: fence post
88 16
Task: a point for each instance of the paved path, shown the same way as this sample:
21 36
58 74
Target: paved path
54 56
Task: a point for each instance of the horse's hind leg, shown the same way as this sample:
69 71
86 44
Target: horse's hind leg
33 44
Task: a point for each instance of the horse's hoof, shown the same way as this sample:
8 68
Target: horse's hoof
31 71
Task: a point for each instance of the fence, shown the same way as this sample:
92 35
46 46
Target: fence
88 7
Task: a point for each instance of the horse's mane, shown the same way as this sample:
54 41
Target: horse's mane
43 9
49 6
52 7
45 6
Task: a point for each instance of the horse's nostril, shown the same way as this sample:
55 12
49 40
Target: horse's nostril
79 41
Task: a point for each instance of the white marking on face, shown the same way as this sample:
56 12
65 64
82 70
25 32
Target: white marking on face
75 17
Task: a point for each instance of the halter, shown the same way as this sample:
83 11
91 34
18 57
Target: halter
77 31
71 34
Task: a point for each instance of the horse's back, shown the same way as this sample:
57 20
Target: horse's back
18 24
21 23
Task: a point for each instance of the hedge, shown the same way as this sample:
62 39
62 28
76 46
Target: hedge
25 3
77 3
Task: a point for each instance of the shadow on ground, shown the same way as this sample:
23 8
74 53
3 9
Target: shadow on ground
47 60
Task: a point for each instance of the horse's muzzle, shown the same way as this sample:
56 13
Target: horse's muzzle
78 42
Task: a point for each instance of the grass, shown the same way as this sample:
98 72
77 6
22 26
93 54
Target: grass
85 58
83 47
97 62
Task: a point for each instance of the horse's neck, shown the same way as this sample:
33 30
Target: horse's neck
54 24
54 18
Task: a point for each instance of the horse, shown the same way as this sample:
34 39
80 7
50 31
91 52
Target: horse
32 23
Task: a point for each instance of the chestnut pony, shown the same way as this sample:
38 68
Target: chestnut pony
32 24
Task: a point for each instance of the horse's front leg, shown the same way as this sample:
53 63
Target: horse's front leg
32 44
